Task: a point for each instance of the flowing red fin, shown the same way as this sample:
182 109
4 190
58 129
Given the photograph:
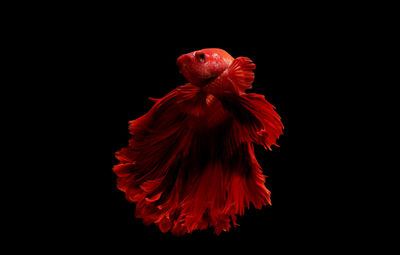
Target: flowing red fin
270 120
241 73
255 119
154 99
190 164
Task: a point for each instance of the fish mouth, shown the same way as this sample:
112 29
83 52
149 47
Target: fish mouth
181 60
182 63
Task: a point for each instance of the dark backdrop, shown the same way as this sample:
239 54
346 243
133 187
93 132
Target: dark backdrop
120 68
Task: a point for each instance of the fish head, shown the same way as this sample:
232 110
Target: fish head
201 66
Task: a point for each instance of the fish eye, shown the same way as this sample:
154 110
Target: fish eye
201 56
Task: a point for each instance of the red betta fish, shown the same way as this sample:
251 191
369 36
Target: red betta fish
190 164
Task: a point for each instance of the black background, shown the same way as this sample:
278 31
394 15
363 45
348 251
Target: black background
80 73
285 72
112 70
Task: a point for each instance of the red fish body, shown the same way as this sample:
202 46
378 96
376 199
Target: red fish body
190 164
